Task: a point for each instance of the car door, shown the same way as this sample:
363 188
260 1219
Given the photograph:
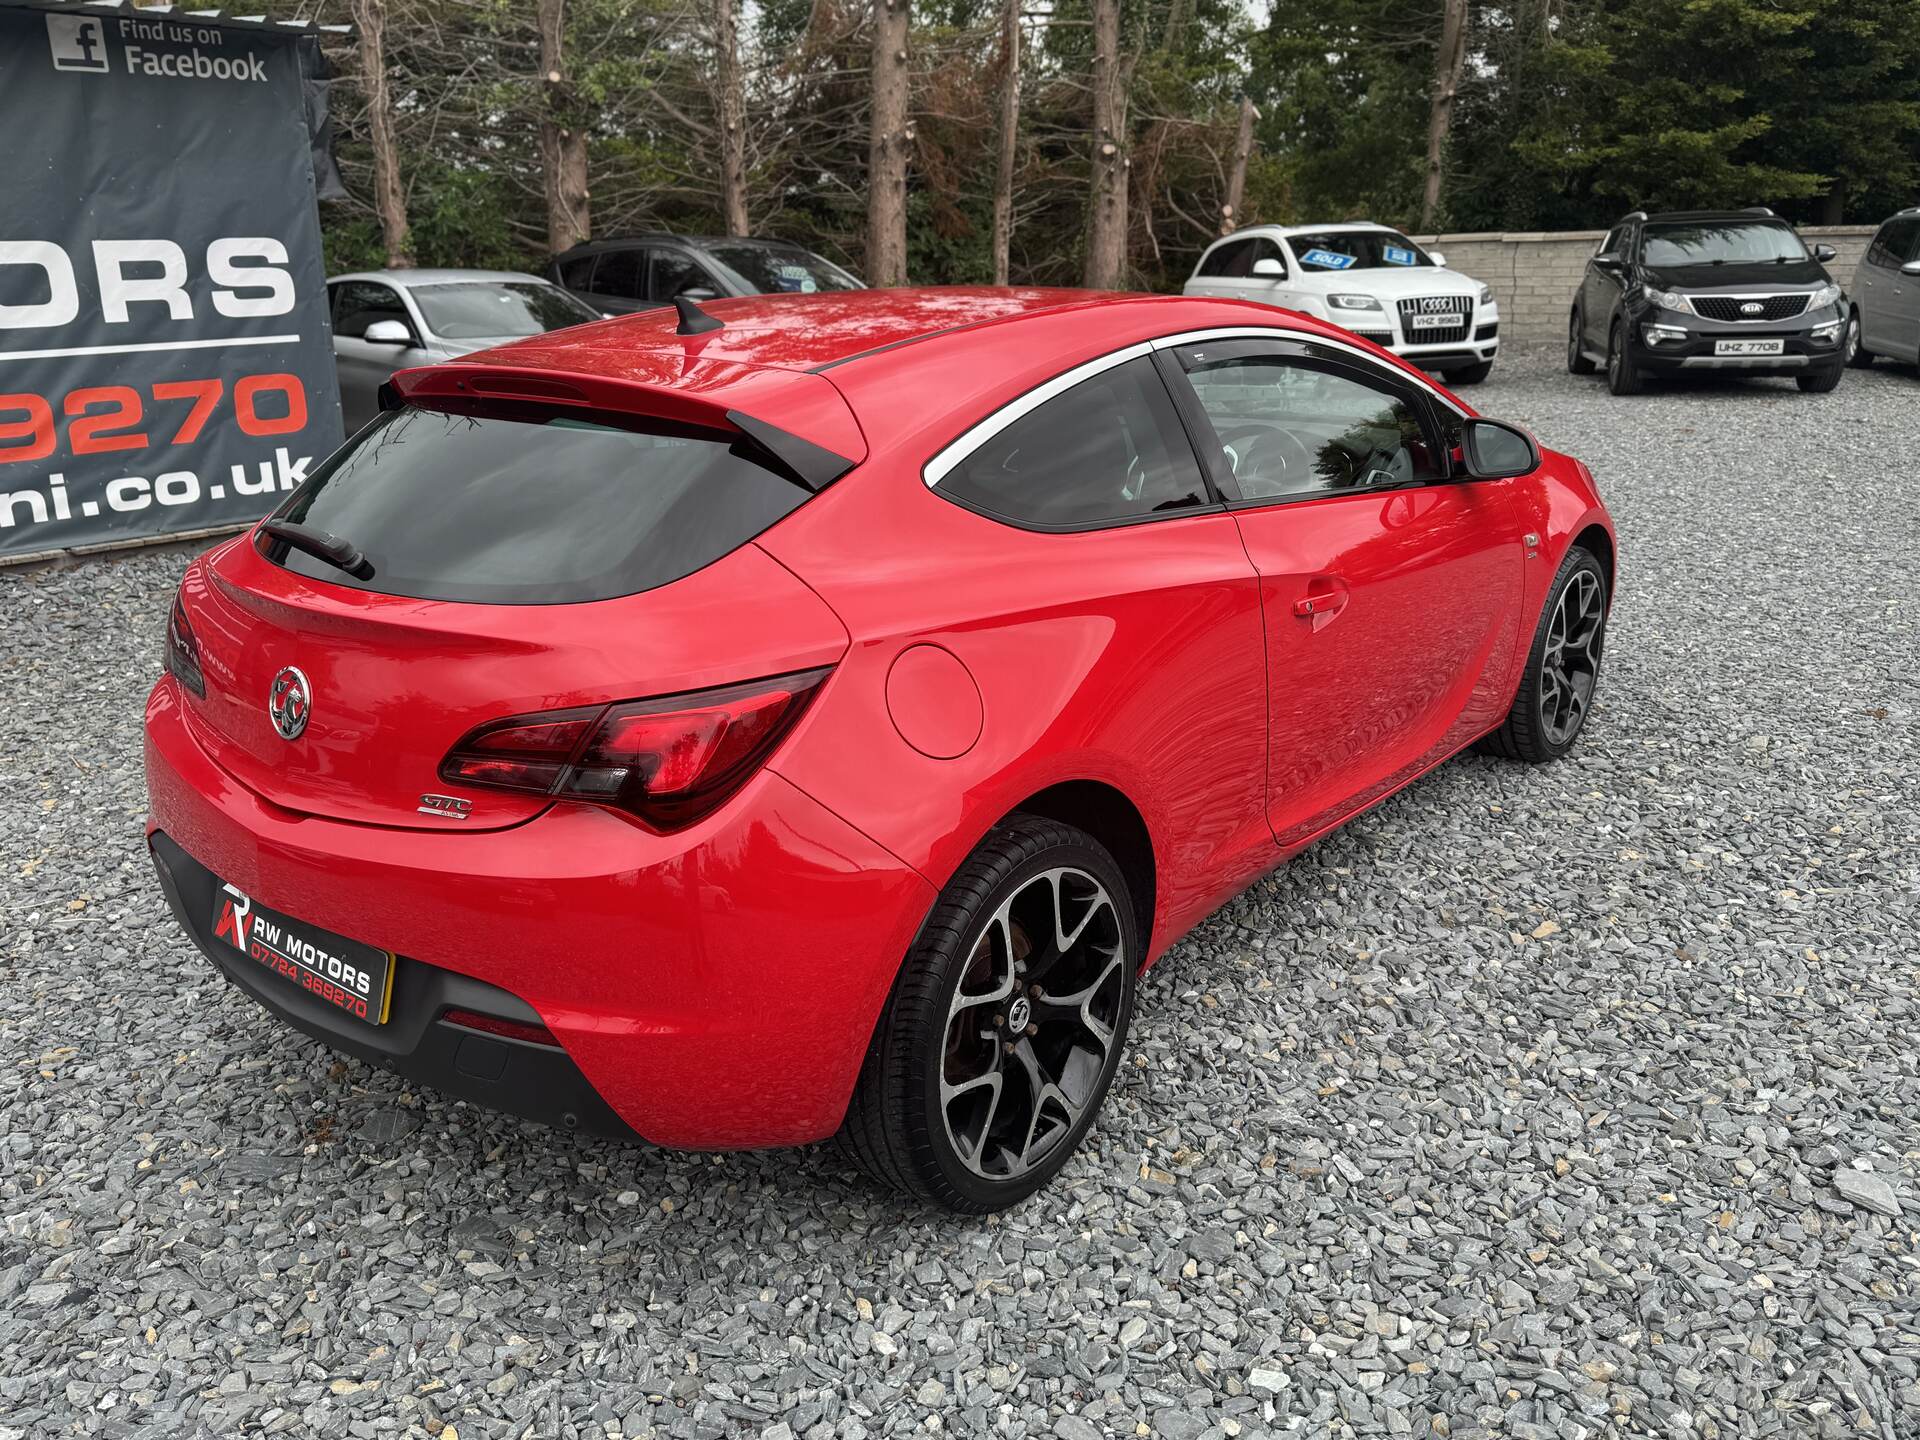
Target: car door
1220 268
1391 588
1602 286
620 281
1889 299
672 271
365 365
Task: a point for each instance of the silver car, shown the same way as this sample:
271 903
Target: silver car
388 320
1886 295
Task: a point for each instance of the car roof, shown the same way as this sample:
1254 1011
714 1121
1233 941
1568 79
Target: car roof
1756 216
408 278
698 242
1287 231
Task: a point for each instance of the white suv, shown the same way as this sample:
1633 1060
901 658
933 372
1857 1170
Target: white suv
1372 280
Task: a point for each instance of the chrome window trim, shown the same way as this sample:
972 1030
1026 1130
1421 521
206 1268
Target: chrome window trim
955 451
942 464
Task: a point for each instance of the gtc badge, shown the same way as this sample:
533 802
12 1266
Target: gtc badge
288 702
1752 307
447 807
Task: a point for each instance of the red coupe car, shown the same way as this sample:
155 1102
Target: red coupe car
809 716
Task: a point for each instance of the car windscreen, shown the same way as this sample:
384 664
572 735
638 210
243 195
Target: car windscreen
1724 242
477 310
537 509
1337 250
776 270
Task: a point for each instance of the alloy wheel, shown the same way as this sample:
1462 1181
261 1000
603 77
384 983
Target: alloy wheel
1574 355
1570 663
1614 356
1031 1029
1852 342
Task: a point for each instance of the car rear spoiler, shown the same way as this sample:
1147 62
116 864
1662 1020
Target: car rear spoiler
796 422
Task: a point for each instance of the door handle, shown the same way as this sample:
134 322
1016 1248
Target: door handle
1326 597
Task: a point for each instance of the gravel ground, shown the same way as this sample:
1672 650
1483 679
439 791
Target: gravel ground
1538 1103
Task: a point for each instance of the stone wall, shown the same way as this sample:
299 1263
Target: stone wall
1534 274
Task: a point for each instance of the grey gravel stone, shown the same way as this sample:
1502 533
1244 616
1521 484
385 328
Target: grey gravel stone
1530 1103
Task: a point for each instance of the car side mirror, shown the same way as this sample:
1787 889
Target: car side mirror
1438 257
1606 260
388 332
1912 267
1495 450
698 292
1824 253
1268 268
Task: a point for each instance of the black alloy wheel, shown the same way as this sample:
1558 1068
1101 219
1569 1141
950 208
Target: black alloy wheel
1005 1026
1623 376
1577 361
1563 666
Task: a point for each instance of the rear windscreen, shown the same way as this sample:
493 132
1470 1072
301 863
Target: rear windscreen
541 510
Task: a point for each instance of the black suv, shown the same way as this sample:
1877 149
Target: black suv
640 272
1707 290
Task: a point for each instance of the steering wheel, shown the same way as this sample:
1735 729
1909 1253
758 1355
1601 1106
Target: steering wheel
1270 461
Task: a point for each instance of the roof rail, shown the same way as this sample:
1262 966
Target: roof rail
1760 210
1633 215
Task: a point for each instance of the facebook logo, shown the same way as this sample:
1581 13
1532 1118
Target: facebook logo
78 42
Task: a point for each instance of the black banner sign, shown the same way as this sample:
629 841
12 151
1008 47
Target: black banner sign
165 360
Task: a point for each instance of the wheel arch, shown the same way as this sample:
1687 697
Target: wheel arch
1109 816
1595 539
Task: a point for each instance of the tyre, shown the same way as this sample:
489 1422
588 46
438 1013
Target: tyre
1469 374
1577 361
1563 667
1819 382
1858 356
1623 376
1005 1025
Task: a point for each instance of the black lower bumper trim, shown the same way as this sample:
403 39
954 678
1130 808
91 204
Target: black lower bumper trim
537 1082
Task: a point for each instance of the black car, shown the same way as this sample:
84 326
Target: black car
1707 290
640 272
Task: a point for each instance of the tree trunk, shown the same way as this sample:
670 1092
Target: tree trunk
389 196
563 143
889 146
733 124
1009 140
1107 218
1237 177
1833 205
1447 64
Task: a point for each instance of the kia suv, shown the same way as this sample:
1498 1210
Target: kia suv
1885 318
1372 280
1707 290
644 272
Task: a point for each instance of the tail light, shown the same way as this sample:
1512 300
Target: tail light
182 651
668 761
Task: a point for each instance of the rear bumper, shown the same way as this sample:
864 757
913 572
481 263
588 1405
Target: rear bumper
713 989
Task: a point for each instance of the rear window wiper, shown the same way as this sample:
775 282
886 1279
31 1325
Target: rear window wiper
341 554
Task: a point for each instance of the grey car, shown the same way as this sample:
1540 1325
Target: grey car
388 320
1886 295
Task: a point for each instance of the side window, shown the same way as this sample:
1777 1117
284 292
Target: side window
673 271
1264 249
1111 448
358 303
1616 238
577 274
622 273
1292 429
1231 259
1901 237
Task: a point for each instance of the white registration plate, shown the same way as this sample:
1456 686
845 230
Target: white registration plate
1446 321
1749 347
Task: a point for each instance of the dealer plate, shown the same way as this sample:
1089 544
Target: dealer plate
1749 347
1444 321
353 978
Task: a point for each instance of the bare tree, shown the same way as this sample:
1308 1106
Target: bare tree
889 147
1448 62
563 141
389 197
733 119
1009 139
1107 202
1237 177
